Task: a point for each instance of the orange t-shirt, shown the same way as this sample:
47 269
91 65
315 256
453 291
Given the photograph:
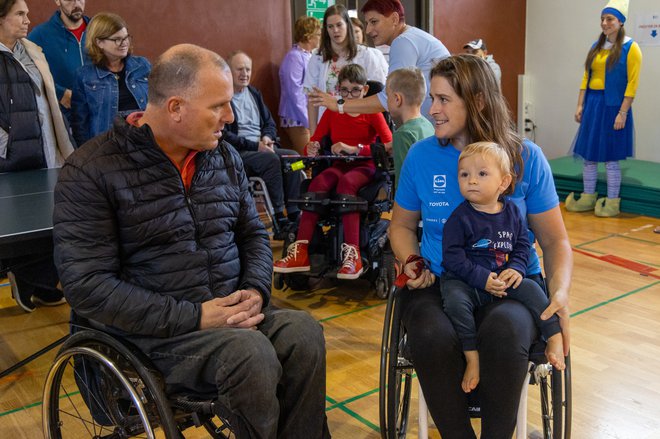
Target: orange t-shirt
188 169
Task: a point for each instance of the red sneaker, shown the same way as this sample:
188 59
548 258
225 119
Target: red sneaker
296 260
352 266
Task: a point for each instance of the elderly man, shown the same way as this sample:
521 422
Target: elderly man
253 133
478 47
62 39
157 239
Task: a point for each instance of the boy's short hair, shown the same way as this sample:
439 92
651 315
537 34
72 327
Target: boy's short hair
354 73
410 82
496 154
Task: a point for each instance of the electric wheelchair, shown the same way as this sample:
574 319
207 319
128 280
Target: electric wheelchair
397 371
102 387
372 201
325 247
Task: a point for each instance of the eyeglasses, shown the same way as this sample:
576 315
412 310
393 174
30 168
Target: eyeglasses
72 1
120 41
355 92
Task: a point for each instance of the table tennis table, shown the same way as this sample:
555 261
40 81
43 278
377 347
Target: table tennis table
26 211
26 223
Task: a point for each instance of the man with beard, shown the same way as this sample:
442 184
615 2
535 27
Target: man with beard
62 39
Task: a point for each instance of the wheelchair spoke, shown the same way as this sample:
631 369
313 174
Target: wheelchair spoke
85 372
83 380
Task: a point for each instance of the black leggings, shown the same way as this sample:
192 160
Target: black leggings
505 332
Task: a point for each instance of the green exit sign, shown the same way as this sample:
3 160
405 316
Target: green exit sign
316 8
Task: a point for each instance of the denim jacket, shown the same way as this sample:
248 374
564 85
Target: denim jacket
95 99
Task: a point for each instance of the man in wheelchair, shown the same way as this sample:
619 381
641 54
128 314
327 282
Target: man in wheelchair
158 242
351 135
254 135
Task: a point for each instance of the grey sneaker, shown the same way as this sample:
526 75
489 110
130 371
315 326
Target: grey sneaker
21 295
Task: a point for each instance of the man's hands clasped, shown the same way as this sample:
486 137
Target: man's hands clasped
241 309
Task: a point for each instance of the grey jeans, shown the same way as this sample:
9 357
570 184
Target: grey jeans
271 381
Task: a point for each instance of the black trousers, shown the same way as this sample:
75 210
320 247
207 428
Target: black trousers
505 332
270 382
35 272
269 167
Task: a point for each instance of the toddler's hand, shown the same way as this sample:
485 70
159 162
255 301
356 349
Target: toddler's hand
495 286
511 277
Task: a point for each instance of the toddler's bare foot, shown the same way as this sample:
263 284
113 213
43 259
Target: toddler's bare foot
554 351
471 376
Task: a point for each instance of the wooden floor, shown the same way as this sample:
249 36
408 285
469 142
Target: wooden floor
615 307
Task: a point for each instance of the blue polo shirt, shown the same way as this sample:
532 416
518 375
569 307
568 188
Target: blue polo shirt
429 184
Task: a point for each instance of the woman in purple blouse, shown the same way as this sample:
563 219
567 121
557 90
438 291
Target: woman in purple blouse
293 100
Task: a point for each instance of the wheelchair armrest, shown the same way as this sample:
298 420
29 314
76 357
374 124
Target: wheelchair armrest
380 157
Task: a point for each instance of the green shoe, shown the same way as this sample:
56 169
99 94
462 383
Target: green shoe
607 207
585 203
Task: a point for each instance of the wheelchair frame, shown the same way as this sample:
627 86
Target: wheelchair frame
395 386
119 394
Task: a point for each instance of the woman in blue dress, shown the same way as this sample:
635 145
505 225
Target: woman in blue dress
604 112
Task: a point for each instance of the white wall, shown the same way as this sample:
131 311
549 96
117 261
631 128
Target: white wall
559 34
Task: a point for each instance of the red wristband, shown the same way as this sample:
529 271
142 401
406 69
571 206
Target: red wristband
420 264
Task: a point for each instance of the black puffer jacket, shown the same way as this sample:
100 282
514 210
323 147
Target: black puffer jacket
19 117
138 253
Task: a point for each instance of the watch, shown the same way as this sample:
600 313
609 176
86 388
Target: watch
340 105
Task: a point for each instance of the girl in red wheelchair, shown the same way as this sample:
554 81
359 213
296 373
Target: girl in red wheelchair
351 134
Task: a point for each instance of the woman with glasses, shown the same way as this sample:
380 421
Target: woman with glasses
338 48
115 83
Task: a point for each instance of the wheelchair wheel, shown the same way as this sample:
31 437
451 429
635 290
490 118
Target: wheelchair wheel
278 281
555 396
99 388
386 275
297 282
395 375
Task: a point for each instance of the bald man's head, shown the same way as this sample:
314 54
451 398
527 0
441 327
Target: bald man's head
175 71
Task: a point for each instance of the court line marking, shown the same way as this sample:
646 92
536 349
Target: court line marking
641 269
352 414
353 311
35 404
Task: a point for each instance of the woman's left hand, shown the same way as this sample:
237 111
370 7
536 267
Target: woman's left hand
559 306
620 121
319 98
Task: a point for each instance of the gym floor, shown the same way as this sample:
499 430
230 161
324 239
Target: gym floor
615 329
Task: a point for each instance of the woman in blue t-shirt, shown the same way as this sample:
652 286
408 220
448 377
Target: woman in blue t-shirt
469 107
